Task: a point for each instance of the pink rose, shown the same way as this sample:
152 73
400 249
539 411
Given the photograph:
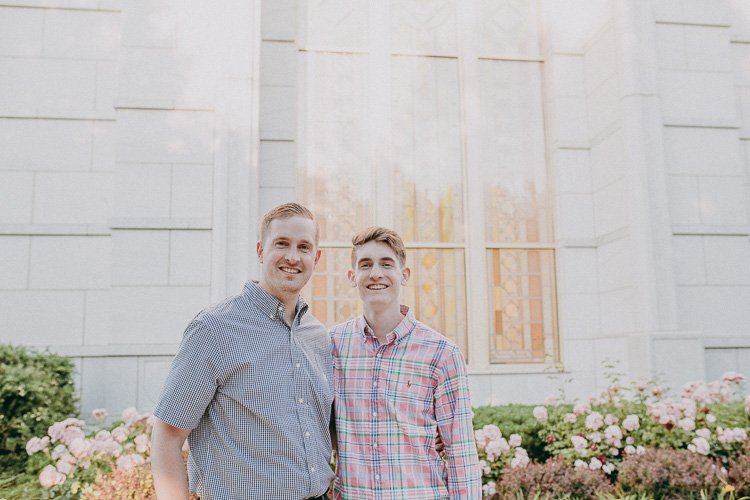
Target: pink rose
540 413
50 477
127 462
99 414
35 444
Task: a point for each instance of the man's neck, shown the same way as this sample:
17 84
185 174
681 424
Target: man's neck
383 320
289 301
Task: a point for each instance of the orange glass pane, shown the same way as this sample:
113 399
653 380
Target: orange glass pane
436 291
522 310
334 301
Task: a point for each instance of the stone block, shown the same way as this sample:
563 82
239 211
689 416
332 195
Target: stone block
575 273
278 161
102 379
82 34
140 258
568 75
192 191
723 200
575 216
572 169
275 16
697 12
614 264
608 160
570 122
270 197
612 207
69 262
72 198
579 354
14 262
149 23
154 315
603 105
698 98
708 48
152 372
190 258
45 144
42 318
670 43
96 318
151 77
63 4
741 63
601 60
702 151
684 203
720 361
21 32
106 89
578 315
104 146
165 136
16 196
689 260
277 112
617 311
279 63
727 260
47 87
740 14
339 23
142 190
480 389
744 108
716 310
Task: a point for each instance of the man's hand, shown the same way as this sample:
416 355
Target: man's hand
167 466
439 445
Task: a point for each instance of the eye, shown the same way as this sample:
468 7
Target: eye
388 265
281 243
364 266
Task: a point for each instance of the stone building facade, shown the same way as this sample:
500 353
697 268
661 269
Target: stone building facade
571 177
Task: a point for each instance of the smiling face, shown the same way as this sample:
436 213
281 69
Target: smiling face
287 256
378 275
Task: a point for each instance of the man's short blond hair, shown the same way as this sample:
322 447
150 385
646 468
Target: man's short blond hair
383 235
284 212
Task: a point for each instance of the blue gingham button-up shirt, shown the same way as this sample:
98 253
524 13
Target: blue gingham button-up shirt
257 395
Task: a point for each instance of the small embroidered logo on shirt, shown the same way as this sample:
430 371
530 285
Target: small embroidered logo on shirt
408 383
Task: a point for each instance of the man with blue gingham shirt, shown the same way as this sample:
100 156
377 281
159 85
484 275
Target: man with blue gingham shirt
251 386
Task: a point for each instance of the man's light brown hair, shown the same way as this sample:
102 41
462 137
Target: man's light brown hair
284 212
382 234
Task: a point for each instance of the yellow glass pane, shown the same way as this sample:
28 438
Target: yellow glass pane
437 292
334 301
512 152
522 307
426 152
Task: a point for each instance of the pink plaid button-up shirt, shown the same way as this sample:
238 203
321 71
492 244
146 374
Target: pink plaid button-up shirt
391 400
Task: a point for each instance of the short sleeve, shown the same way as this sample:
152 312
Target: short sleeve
192 380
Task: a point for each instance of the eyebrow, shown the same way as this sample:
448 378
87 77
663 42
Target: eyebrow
382 259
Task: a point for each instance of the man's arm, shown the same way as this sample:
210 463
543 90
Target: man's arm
454 418
167 466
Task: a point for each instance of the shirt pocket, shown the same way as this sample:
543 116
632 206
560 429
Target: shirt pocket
411 398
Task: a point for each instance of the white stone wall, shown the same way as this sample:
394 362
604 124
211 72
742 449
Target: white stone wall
141 140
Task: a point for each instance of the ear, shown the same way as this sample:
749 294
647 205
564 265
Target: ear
259 251
405 275
352 278
317 255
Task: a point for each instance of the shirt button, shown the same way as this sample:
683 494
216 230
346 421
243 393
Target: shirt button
301 400
312 469
375 384
307 434
374 414
297 365
377 477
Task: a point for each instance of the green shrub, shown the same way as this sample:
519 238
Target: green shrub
514 419
36 390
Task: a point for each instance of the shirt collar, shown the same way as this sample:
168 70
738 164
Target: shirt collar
268 304
404 328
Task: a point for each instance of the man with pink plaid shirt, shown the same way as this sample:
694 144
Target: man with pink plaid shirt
398 385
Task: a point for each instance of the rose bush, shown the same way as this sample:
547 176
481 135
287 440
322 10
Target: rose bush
70 460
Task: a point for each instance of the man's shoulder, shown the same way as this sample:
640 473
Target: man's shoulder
344 328
232 307
426 334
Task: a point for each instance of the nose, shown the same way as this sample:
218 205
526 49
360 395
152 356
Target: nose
376 271
292 255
